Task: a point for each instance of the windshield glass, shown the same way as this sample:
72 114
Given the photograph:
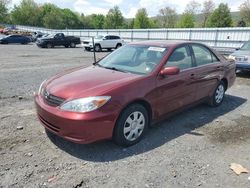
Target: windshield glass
98 37
246 46
51 35
134 58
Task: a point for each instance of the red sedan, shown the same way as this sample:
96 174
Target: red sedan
135 86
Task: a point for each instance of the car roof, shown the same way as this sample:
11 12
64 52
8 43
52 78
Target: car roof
161 43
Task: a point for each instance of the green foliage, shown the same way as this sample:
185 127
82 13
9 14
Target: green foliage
53 17
167 17
4 11
141 19
245 11
27 13
97 20
221 17
187 20
50 16
114 19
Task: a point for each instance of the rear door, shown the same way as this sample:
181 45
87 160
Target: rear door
176 91
208 70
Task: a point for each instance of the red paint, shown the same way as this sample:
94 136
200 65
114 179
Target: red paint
163 94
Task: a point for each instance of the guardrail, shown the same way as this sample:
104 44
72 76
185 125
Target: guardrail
215 37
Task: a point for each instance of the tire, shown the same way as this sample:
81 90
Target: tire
72 45
66 46
49 45
218 95
87 48
98 48
131 125
118 45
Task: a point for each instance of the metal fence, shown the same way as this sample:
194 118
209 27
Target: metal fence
215 37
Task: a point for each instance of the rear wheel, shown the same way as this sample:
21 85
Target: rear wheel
87 48
131 125
72 45
218 96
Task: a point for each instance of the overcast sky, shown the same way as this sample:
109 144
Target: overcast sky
128 7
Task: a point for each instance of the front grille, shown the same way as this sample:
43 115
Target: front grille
51 99
85 42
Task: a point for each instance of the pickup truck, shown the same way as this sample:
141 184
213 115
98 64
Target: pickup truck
103 42
58 39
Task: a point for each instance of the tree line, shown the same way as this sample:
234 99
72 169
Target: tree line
48 15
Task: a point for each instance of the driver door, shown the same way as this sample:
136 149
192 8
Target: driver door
176 91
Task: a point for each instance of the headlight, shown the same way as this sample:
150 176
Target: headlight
40 90
85 104
231 57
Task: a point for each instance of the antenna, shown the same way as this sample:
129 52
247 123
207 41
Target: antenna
93 44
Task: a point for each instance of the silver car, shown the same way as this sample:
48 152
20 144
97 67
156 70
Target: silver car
242 57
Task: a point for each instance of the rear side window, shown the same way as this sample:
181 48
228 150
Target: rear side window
203 55
180 58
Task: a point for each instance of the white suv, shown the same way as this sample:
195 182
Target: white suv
103 42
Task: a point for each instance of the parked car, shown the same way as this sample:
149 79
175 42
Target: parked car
58 39
15 39
103 42
242 57
135 86
37 35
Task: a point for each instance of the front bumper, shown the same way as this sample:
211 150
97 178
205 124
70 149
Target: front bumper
41 45
243 66
80 128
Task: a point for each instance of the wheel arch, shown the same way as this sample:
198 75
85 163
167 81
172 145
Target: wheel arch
142 102
224 80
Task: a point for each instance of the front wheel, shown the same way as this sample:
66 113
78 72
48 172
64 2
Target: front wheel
131 125
118 45
98 48
218 96
49 45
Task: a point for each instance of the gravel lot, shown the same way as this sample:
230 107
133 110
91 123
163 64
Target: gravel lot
192 149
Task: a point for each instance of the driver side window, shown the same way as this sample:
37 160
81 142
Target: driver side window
181 58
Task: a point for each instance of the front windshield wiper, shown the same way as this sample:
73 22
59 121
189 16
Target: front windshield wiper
114 68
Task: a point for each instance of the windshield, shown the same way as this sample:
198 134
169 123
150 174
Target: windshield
246 46
98 37
50 35
134 58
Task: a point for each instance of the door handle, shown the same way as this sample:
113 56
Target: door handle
192 76
219 68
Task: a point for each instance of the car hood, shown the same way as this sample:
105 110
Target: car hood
85 82
241 53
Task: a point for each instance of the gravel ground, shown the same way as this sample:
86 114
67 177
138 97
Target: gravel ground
192 149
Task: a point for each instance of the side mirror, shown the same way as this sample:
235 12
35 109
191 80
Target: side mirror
170 71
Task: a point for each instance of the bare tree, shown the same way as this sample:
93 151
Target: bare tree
245 11
193 7
167 17
208 8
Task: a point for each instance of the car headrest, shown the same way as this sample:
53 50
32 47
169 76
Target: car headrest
177 56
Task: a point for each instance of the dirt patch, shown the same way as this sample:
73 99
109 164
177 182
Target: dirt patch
238 131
